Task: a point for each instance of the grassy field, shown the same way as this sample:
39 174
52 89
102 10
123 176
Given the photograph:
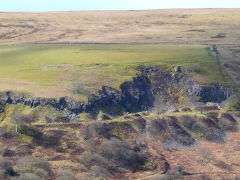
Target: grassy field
55 63
54 70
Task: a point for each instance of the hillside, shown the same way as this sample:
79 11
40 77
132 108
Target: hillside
198 26
148 95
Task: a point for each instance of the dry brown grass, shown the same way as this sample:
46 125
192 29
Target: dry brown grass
186 26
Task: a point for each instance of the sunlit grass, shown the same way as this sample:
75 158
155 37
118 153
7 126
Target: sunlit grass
58 65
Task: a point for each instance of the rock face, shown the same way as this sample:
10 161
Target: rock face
160 88
134 96
137 95
64 104
176 88
107 97
217 93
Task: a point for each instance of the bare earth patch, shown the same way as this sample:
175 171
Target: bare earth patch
59 67
7 84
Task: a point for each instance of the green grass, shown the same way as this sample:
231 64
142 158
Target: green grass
60 66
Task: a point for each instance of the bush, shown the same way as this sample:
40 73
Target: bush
100 129
28 176
106 148
66 174
30 131
31 164
7 135
122 154
8 153
92 143
98 171
192 124
173 175
89 159
6 168
42 174
223 165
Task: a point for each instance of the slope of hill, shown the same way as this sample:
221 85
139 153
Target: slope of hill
120 95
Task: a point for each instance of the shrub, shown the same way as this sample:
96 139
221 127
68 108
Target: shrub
7 135
92 143
30 164
66 174
86 159
6 168
106 148
28 176
89 159
42 174
223 165
122 154
27 118
100 129
5 164
173 175
8 153
30 131
98 171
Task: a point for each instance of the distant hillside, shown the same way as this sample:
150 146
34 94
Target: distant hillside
198 26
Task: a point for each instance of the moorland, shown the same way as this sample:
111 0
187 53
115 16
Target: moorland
120 94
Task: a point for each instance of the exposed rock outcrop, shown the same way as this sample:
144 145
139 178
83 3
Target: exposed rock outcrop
66 105
137 95
156 87
134 96
174 89
216 93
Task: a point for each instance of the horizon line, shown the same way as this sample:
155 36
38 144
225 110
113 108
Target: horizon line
114 10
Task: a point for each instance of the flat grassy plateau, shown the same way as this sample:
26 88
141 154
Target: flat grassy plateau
55 70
